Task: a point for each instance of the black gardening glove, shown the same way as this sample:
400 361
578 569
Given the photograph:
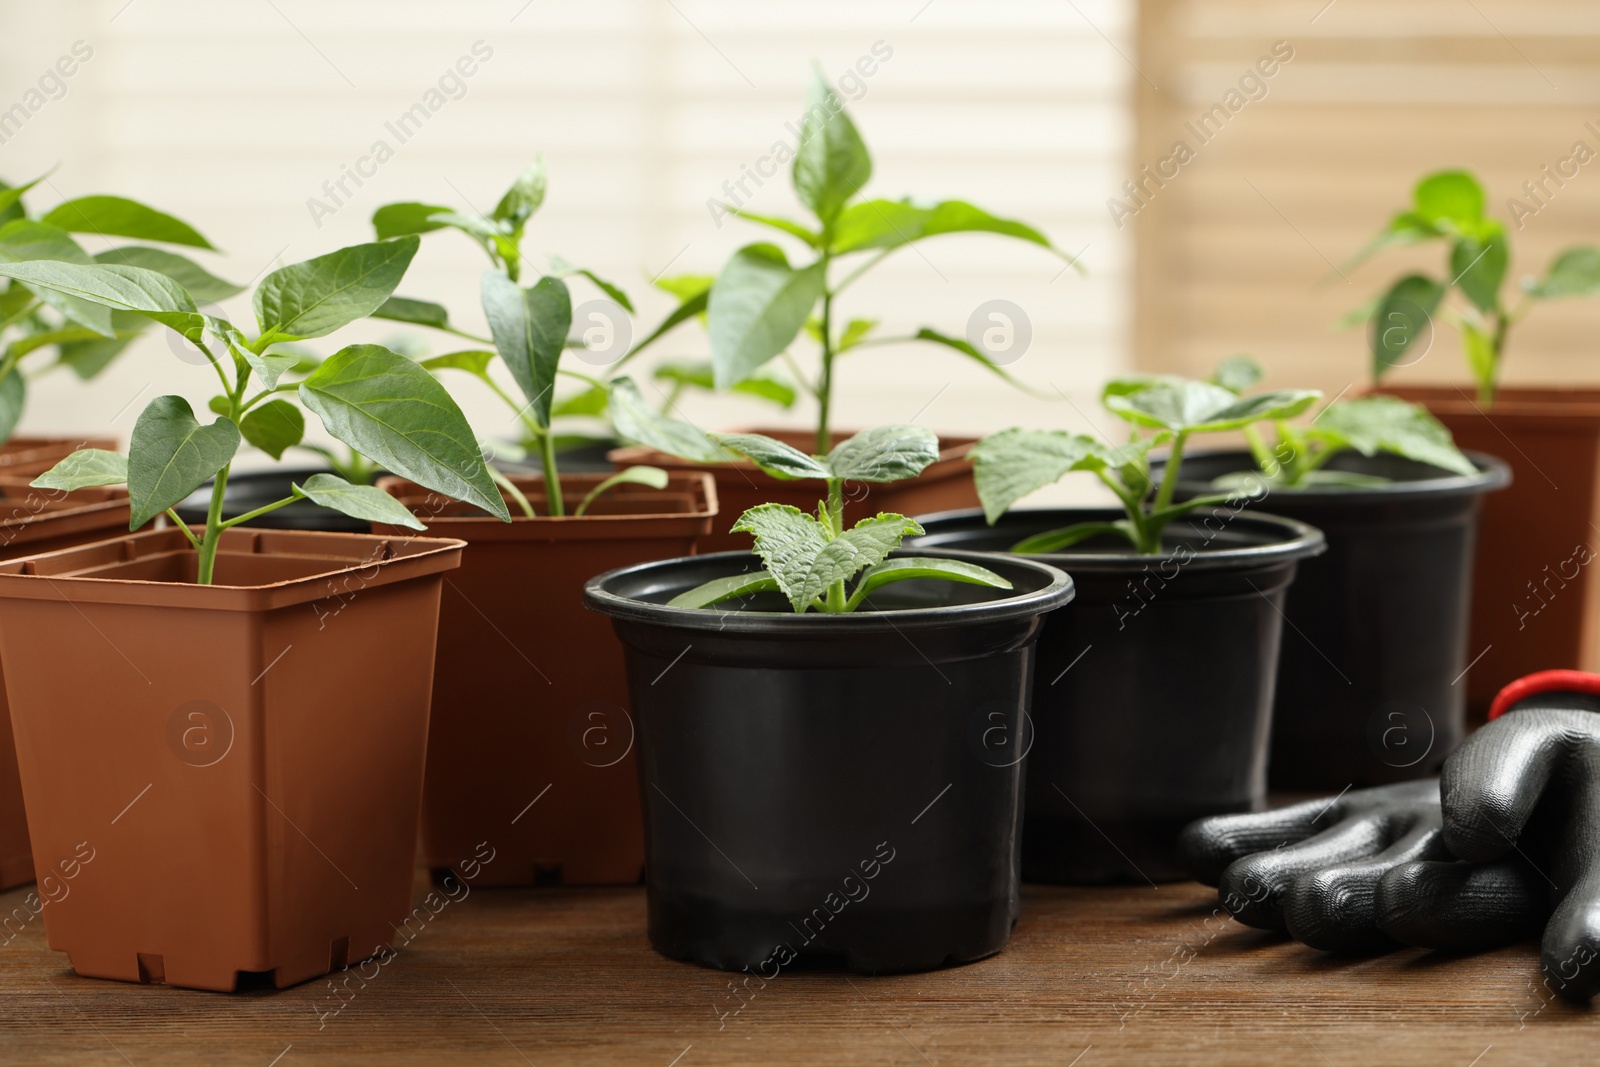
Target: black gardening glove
1313 869
1521 806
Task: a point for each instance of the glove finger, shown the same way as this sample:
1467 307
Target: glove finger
1252 888
1457 906
1491 784
1333 908
1572 937
1207 846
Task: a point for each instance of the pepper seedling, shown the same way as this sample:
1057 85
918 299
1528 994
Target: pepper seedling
761 301
1162 411
528 327
1369 425
85 337
378 402
811 558
1448 206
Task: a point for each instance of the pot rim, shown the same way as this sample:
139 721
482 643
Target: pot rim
1296 541
1494 474
1006 607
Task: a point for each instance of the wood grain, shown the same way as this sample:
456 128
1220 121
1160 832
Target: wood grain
1133 975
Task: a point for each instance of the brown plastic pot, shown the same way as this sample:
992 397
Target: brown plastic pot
946 485
223 779
531 746
35 455
1535 599
34 521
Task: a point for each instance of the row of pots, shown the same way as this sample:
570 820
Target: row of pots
911 730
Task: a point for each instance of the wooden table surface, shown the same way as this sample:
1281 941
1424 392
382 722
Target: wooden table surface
1126 975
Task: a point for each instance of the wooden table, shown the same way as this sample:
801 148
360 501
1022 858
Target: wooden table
1127 975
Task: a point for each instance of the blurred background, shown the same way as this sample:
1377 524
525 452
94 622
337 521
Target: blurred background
243 117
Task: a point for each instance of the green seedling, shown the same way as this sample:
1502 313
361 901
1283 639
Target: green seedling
42 330
378 402
1162 411
810 559
762 301
1369 425
528 327
1448 206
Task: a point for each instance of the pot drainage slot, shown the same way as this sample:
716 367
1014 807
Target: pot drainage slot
547 874
339 954
152 969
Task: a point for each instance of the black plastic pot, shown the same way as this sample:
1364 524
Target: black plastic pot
836 789
255 489
1153 692
1370 679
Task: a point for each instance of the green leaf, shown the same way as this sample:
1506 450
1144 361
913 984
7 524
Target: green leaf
23 239
473 361
198 282
591 403
483 229
794 229
1185 406
757 306
84 468
1449 197
773 457
146 292
415 312
638 422
654 477
172 454
357 501
909 567
392 411
32 342
87 359
1478 266
1009 465
864 545
831 163
529 327
614 292
524 197
1479 349
1404 314
1067 536
1375 424
1237 373
893 223
686 286
316 297
855 331
692 305
967 349
720 589
13 398
884 454
1406 228
116 216
699 375
1575 272
11 197
274 427
399 220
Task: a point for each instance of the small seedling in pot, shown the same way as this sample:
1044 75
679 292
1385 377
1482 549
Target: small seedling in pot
82 335
1368 425
1448 206
811 559
761 302
528 328
1162 411
378 402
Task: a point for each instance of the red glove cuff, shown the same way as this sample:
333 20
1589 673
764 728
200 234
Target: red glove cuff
1543 682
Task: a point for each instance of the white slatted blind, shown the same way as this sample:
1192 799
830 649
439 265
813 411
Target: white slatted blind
233 115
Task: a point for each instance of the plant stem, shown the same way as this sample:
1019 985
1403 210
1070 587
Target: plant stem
180 524
239 520
1169 477
836 602
552 477
213 534
511 490
825 387
1486 387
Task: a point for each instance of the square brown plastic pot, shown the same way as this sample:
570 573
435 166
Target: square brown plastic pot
223 779
531 745
946 485
1535 597
34 521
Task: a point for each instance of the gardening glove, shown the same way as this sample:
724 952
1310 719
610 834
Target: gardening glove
1313 869
1521 807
